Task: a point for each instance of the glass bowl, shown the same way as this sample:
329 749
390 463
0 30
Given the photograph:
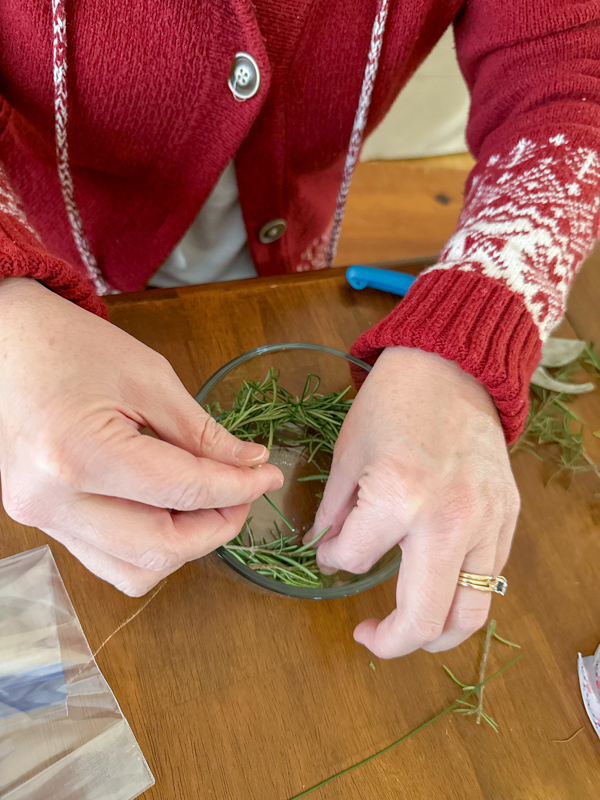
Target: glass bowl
298 501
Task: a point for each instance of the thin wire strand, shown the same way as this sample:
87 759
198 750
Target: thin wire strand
160 586
571 737
129 619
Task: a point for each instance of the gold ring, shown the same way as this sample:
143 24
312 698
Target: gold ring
485 583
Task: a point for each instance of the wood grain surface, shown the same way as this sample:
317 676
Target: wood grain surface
402 208
245 696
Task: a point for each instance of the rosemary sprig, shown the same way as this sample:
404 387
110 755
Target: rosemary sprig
477 708
590 360
459 706
554 428
266 411
283 559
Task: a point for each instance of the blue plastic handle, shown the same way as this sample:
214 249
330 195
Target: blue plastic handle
387 280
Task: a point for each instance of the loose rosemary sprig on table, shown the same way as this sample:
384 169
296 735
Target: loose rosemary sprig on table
554 428
462 705
266 411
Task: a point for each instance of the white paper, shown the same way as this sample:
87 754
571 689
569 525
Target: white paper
589 681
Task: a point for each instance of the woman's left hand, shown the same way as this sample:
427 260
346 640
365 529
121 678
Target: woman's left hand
421 461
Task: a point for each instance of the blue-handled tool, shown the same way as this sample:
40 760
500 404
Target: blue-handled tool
387 280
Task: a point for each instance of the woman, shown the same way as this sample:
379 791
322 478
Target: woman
117 121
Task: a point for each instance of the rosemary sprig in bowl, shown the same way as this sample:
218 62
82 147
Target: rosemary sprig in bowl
295 404
266 411
283 559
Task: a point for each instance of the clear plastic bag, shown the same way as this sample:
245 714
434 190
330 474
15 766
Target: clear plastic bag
62 733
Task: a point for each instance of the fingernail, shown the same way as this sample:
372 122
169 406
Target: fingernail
358 638
325 568
308 536
250 452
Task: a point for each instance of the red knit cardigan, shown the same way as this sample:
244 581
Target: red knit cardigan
152 123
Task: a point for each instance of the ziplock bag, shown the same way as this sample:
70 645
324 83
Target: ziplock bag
62 733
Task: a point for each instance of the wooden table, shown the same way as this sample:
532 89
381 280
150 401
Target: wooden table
247 696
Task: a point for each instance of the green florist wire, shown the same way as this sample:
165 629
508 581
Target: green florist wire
266 411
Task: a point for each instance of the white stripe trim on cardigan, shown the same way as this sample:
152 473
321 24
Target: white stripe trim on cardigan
59 54
358 128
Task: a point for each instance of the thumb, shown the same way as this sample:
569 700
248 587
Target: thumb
179 420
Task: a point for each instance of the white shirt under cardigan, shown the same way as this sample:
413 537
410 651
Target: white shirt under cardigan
215 247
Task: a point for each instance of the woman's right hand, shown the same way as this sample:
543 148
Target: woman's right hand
75 391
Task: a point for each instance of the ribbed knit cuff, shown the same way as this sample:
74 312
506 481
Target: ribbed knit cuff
473 320
23 256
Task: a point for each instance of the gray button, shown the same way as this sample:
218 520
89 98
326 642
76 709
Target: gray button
272 231
244 79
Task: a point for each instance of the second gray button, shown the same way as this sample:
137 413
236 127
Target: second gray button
244 79
271 231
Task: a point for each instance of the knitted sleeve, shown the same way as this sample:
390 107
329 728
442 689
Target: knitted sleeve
22 254
532 203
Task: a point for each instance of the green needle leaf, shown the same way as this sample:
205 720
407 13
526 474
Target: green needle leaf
277 511
504 641
454 678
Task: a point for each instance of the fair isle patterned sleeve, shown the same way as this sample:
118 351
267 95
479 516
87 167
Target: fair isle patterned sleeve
532 203
22 254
